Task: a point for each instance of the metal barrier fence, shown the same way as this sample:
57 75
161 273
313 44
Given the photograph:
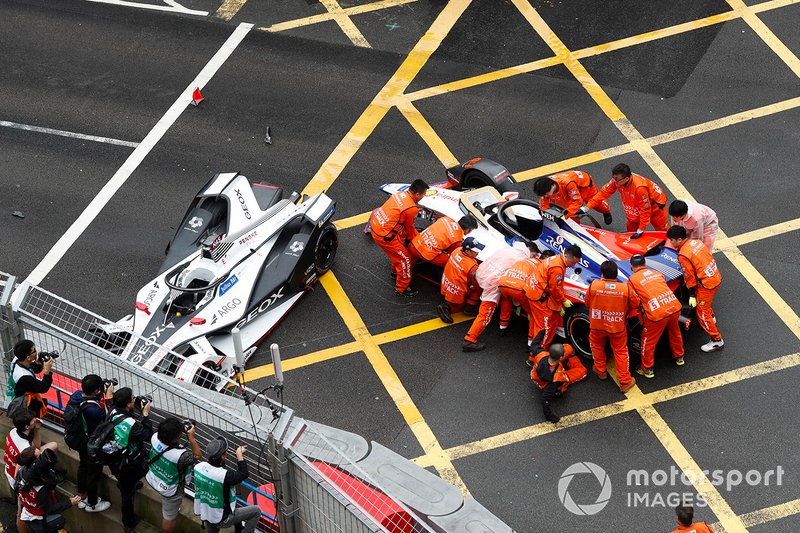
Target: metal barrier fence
317 488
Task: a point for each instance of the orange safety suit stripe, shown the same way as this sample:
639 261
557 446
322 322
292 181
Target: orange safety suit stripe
440 236
651 333
485 312
609 303
641 199
705 314
698 265
516 276
546 280
459 276
697 527
657 299
574 188
457 303
619 346
399 211
518 296
400 258
543 319
569 370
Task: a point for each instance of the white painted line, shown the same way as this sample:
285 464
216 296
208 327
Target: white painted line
95 138
121 176
173 7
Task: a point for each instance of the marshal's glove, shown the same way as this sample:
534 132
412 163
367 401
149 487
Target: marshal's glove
567 304
692 302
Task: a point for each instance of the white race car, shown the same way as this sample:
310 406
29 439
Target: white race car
242 257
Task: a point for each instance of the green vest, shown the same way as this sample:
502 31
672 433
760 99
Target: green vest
163 474
209 493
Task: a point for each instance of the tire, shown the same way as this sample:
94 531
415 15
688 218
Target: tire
474 179
325 248
576 330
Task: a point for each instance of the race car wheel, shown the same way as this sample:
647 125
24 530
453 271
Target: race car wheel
473 179
576 328
325 249
205 377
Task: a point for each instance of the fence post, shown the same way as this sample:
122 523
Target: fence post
10 330
281 469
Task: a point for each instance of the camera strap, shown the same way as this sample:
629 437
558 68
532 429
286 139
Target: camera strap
157 456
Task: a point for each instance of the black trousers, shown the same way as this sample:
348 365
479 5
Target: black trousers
88 477
127 479
51 523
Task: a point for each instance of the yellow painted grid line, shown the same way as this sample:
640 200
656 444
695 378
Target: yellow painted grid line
630 403
346 23
376 111
324 17
729 519
723 245
598 49
757 235
395 388
424 129
660 428
228 9
767 35
481 79
770 514
626 148
319 356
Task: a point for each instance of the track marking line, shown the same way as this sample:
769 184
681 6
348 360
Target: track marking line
384 100
135 158
607 153
324 17
62 133
766 35
394 386
301 361
724 244
598 49
630 403
427 133
665 435
770 514
228 9
173 7
345 23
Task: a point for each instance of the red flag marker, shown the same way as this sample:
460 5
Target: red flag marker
197 97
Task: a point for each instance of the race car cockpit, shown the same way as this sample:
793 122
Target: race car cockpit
513 218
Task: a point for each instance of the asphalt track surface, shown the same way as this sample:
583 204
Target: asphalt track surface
701 96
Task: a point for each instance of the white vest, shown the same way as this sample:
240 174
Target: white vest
163 474
209 497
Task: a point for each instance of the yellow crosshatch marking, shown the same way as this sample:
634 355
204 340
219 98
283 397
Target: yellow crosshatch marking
345 23
393 95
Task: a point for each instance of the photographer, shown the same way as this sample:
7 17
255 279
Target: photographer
36 481
88 406
24 436
215 491
23 380
130 435
171 467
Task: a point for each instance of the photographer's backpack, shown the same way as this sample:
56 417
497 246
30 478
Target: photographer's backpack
101 447
75 425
